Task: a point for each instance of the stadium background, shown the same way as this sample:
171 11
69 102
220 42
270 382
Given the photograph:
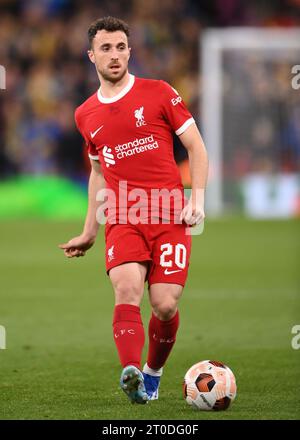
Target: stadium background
242 297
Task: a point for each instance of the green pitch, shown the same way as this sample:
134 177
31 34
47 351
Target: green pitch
239 306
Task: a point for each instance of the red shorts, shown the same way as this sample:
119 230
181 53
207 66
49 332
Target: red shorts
165 247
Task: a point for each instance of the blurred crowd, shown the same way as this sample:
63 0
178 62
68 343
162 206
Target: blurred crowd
43 46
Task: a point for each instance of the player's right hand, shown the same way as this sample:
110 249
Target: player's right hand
77 246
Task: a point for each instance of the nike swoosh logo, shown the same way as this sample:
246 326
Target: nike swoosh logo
169 272
93 134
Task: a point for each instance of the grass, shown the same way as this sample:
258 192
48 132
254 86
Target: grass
239 306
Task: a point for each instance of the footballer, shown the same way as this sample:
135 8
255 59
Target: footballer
128 127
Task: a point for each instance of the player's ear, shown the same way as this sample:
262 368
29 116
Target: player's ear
129 50
91 55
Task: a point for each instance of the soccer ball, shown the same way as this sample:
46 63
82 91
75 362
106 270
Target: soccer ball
209 385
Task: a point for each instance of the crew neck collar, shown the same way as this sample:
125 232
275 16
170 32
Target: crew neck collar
120 95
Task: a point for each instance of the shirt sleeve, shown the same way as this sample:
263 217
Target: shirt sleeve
91 148
174 109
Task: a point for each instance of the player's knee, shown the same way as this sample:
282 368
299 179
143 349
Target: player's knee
166 310
127 293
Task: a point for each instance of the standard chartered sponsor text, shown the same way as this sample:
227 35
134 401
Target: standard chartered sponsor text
136 146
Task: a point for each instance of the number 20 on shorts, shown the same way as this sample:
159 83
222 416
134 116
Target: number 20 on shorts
171 253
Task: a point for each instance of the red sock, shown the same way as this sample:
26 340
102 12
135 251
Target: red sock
162 336
129 334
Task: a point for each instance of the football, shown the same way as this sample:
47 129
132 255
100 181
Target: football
209 385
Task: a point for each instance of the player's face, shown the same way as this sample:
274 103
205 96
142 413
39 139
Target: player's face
110 54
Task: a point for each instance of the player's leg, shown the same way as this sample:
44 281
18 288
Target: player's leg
167 277
162 332
128 284
126 265
164 322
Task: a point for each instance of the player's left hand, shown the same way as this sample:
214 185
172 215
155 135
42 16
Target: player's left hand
193 213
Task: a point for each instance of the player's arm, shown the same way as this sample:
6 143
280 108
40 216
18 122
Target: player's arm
77 246
193 212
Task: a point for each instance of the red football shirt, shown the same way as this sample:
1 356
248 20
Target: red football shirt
131 135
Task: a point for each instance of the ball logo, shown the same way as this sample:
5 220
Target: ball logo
205 400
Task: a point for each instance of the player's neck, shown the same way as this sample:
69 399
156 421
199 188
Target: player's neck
109 89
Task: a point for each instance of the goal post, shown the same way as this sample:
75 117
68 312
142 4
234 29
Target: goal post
267 50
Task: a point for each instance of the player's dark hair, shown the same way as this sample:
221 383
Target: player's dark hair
109 24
